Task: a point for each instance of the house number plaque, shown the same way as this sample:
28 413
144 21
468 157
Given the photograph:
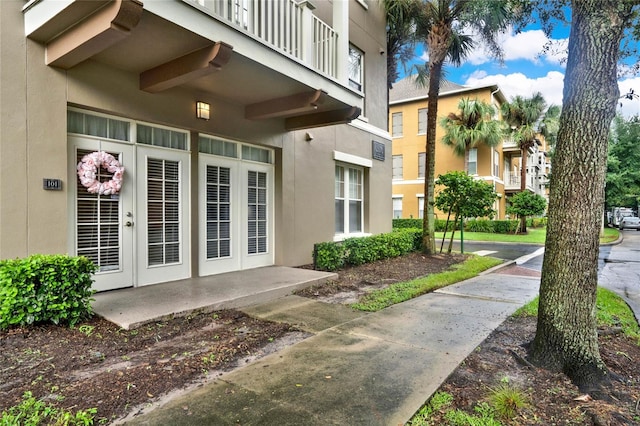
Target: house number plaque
52 184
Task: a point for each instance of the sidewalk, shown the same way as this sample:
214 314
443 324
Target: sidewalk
358 369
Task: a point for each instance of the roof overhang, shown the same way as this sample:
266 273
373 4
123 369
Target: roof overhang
165 45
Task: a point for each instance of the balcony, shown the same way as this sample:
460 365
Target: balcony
512 182
275 58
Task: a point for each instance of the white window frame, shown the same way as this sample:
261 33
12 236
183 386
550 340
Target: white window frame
420 206
396 125
356 68
422 165
473 153
397 206
397 167
422 121
346 196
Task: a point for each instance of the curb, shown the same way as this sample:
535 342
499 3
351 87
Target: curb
497 267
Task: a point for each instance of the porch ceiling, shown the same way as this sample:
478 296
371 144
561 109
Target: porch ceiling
158 45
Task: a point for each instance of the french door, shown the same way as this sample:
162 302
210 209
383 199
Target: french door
236 215
140 235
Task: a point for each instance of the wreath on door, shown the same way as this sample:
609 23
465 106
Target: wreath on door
88 173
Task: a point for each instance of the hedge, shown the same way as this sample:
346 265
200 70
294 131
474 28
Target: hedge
331 256
45 288
471 225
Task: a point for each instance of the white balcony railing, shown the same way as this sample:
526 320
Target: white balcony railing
285 25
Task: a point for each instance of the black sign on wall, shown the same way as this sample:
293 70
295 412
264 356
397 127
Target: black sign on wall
52 184
377 150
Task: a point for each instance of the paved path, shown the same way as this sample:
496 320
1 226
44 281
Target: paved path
358 369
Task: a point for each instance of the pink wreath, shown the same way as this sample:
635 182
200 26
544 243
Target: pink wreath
88 173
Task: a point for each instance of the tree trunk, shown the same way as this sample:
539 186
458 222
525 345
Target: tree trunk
437 54
566 336
524 152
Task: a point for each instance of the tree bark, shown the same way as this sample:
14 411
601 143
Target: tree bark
566 336
438 42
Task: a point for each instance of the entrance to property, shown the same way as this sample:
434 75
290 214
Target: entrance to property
139 235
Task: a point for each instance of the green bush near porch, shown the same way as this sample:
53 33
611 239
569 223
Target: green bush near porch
45 288
331 256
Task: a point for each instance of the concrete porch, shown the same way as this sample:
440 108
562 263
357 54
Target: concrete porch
133 307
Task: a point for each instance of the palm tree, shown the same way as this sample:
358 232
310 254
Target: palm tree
400 34
471 126
440 24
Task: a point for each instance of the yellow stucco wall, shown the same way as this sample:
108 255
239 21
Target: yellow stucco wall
411 143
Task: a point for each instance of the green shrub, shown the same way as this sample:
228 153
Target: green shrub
536 222
45 288
331 256
479 225
407 223
35 412
505 226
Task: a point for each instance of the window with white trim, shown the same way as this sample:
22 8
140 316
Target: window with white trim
397 167
396 124
397 208
422 121
356 65
496 163
422 163
349 199
472 167
420 206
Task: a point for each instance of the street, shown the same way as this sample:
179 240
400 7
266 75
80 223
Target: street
618 265
621 270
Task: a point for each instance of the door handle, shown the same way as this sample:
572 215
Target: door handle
128 224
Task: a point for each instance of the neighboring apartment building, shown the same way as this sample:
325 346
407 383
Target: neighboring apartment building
408 127
538 168
248 130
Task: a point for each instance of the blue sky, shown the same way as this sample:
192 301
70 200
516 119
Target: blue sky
527 68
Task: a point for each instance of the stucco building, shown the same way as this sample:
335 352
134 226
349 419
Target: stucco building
408 128
246 131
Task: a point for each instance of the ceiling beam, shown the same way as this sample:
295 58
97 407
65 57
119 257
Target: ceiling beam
94 34
326 118
299 103
186 68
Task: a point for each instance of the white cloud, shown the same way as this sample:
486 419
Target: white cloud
551 86
629 107
532 45
515 84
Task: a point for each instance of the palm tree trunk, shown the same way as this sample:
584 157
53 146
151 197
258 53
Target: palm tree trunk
436 59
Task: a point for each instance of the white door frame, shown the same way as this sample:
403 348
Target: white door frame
149 274
123 275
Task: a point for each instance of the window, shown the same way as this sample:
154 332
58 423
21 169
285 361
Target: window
422 121
422 162
496 163
356 63
472 167
396 124
349 196
397 167
397 208
420 206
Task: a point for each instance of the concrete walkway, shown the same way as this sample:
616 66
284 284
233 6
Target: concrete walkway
358 369
133 307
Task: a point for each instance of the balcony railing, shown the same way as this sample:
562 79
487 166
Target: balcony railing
286 25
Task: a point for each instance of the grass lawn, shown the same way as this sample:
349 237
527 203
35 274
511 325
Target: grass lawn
533 236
